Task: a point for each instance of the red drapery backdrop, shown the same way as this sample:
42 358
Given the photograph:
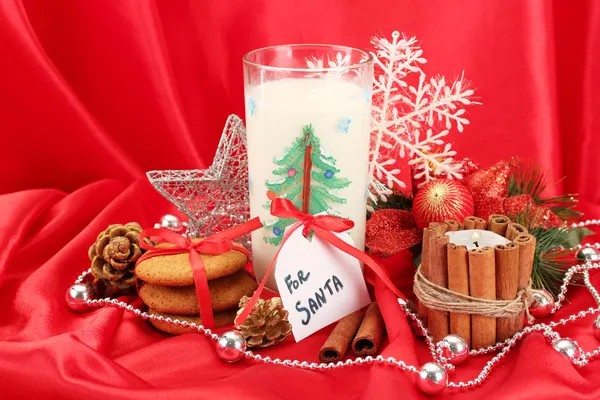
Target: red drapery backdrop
94 93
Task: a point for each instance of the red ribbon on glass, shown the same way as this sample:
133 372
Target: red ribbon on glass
323 226
216 244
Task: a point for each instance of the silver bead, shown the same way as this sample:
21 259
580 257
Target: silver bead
597 327
567 348
77 295
432 378
588 254
230 346
171 222
542 304
456 350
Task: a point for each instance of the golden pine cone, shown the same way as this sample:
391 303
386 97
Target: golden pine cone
114 256
267 324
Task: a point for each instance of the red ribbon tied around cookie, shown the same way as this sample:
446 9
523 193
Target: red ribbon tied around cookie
216 244
323 226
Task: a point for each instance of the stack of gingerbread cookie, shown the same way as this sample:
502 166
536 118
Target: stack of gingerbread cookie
168 287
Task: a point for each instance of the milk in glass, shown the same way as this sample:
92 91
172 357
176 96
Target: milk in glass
276 113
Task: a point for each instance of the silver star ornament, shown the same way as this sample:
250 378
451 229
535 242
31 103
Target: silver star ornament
215 198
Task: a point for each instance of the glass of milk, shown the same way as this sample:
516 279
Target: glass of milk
308 111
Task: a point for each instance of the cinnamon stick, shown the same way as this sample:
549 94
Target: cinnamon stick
475 223
438 273
507 281
368 338
513 230
439 227
458 281
526 243
482 284
340 338
428 233
454 225
498 224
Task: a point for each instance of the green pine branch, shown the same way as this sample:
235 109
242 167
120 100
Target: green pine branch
528 178
552 256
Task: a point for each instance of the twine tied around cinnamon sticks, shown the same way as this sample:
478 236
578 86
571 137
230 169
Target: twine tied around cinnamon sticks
436 297
481 294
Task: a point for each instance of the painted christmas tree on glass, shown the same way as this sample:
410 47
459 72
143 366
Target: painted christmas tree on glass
307 177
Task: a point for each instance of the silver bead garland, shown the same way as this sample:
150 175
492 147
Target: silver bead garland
437 350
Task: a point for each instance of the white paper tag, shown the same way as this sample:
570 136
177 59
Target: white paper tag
318 283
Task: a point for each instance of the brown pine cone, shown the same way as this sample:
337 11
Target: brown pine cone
267 324
114 255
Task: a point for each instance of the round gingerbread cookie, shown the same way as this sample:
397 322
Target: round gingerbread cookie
175 269
222 319
225 293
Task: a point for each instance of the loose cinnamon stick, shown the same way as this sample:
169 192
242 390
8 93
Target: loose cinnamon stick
458 281
475 223
340 338
507 281
438 274
513 230
454 225
526 243
498 224
428 233
482 284
368 338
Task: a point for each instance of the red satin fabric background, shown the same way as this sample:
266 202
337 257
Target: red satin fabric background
95 93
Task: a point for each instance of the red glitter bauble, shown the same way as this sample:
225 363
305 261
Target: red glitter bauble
489 182
536 215
469 166
516 205
390 231
440 200
552 220
488 206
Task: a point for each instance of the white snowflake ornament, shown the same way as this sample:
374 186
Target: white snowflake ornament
411 119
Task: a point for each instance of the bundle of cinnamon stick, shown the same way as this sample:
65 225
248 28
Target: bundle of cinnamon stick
496 273
362 331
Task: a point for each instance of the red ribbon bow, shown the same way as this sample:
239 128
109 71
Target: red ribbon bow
323 226
216 244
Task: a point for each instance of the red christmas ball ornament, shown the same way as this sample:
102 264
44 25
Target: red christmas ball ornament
440 200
